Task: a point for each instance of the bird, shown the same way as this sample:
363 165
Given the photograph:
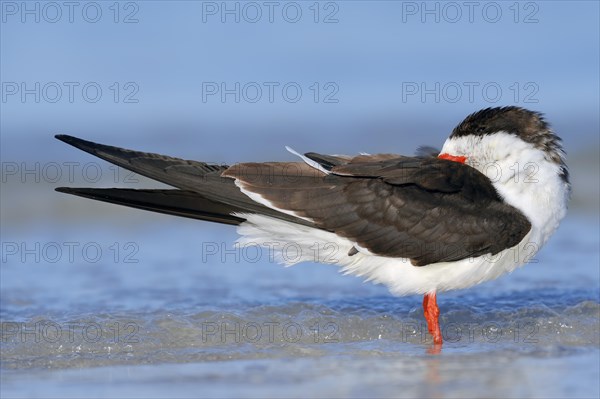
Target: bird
436 221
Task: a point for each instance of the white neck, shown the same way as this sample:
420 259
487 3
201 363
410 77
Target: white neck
523 176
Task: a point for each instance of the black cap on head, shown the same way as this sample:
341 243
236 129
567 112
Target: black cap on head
528 125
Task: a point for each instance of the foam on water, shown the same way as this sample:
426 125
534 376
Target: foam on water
299 329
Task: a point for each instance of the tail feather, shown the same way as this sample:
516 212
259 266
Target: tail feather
171 202
201 185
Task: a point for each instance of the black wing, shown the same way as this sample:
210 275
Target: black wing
426 209
171 202
201 186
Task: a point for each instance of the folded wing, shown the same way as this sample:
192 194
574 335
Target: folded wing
425 209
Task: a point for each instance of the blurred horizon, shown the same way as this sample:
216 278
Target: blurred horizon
234 81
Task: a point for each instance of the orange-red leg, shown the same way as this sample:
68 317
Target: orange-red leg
432 313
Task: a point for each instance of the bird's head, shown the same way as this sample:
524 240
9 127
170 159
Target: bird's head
506 142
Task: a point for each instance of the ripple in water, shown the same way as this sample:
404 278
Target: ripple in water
296 330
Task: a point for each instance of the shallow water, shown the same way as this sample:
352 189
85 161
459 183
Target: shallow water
167 300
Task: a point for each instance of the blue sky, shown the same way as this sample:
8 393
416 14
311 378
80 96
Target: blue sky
374 75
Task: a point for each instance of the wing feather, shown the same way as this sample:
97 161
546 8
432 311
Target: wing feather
426 209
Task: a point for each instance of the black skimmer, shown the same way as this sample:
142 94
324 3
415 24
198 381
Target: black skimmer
477 209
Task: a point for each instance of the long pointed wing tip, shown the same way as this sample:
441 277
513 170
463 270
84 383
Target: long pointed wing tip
65 137
67 190
74 190
72 140
84 145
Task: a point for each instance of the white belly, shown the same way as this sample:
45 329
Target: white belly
293 244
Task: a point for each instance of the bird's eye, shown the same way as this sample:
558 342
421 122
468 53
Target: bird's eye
480 129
